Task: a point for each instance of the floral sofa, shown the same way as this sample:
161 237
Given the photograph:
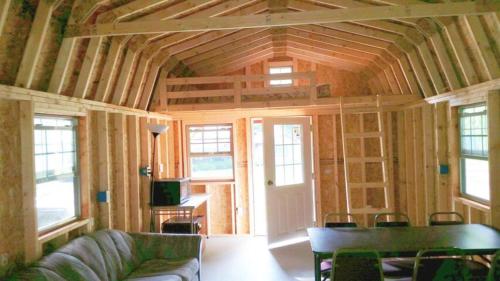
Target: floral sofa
110 255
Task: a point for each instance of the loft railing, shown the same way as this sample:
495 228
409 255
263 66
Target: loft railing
237 90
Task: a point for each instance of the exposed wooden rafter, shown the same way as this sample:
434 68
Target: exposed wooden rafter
282 19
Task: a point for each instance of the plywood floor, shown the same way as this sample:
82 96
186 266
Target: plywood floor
248 258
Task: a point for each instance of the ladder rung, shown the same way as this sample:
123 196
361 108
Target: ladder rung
364 135
365 159
368 185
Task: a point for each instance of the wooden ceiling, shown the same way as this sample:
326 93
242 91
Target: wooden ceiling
115 51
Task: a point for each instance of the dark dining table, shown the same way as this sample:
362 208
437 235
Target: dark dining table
473 239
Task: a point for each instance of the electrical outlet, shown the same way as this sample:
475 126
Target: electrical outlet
4 260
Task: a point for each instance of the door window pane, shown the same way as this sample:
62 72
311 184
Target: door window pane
288 149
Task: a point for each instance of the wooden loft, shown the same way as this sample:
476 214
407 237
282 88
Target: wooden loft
240 93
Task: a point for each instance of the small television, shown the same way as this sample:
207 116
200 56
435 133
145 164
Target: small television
169 192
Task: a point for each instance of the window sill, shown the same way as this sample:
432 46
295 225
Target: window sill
62 230
205 182
475 204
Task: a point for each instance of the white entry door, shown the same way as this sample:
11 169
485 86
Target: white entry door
288 177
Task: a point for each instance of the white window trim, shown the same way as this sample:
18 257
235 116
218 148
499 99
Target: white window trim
62 224
187 158
461 157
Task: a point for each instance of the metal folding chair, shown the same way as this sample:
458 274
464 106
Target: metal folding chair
441 264
356 265
434 218
326 265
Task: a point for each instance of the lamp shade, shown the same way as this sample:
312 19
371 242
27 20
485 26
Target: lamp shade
157 128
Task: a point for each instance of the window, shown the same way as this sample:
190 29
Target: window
474 171
211 152
280 70
57 182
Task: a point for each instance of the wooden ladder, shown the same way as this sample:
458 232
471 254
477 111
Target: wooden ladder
364 195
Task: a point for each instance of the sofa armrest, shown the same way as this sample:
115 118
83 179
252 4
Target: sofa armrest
167 246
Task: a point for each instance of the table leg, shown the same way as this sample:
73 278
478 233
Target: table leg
317 267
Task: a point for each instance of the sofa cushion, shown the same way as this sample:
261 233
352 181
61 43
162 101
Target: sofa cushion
119 253
36 274
87 250
185 268
68 267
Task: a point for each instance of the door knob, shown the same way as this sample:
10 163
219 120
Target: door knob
270 182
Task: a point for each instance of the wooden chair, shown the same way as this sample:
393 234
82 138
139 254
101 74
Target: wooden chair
441 264
392 223
434 218
395 267
494 274
326 265
356 265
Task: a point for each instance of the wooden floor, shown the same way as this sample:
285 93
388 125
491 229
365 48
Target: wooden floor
248 258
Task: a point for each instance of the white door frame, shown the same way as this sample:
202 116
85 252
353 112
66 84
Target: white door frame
307 141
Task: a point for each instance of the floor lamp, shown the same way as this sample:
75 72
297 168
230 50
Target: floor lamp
156 130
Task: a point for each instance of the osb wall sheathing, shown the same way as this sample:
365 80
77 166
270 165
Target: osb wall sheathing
342 83
11 195
220 208
14 37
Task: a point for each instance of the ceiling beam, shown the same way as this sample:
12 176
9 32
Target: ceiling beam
283 19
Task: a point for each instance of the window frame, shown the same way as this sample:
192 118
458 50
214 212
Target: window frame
462 157
189 154
288 65
76 172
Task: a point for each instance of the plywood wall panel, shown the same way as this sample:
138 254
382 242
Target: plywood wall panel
11 203
220 209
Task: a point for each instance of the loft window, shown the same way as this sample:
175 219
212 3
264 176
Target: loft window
280 70
57 182
210 152
474 171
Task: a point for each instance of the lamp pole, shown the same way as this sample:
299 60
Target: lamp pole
156 130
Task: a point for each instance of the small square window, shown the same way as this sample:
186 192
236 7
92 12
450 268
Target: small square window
280 70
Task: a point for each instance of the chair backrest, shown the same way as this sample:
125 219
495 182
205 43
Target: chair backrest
338 222
356 265
400 219
494 273
441 264
434 218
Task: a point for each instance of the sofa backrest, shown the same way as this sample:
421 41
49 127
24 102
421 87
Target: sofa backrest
119 252
87 250
68 267
106 255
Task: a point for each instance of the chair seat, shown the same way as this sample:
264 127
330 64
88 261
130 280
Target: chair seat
398 268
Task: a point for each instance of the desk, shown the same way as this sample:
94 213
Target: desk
184 210
473 239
